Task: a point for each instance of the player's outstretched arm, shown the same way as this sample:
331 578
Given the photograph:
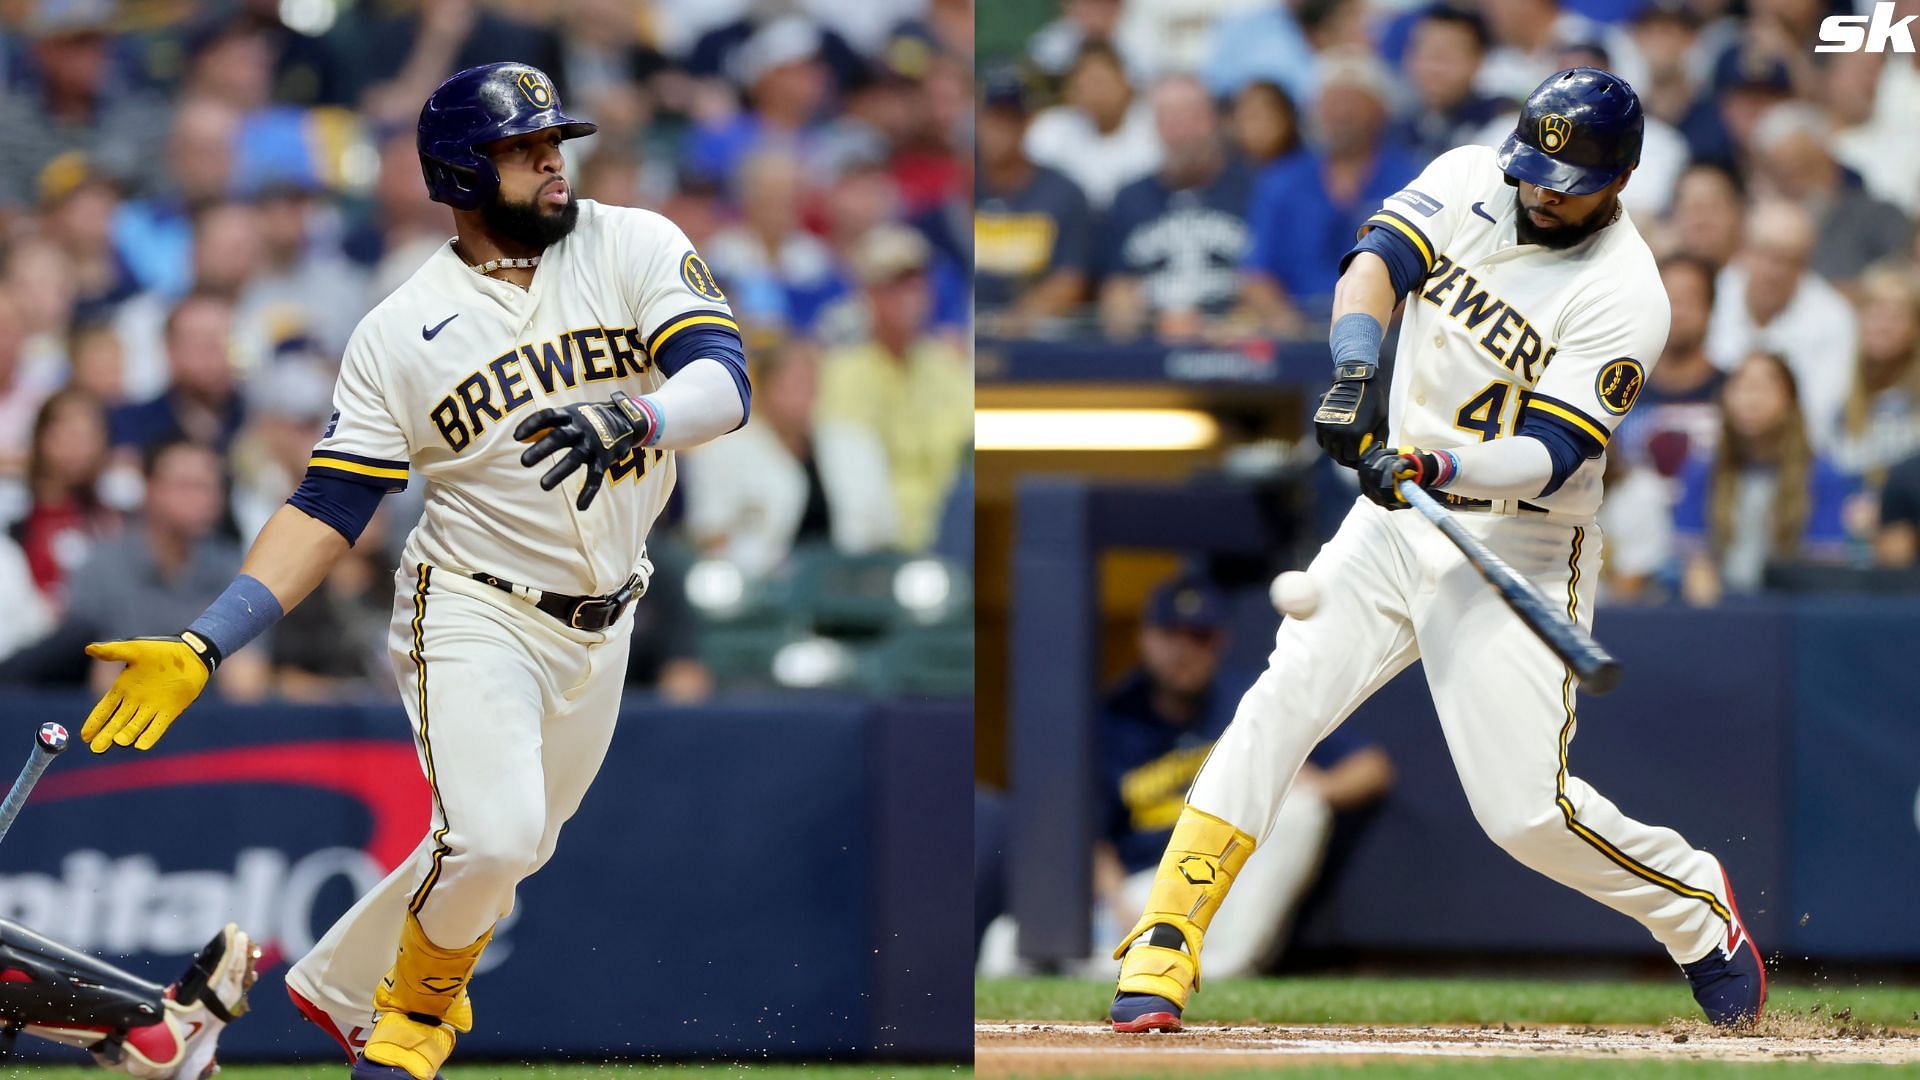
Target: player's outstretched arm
292 555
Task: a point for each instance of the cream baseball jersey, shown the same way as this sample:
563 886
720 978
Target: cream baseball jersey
1498 335
437 376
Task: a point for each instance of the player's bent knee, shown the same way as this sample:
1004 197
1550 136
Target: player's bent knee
502 858
1528 837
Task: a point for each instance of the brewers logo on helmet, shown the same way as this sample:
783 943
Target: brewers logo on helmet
1554 130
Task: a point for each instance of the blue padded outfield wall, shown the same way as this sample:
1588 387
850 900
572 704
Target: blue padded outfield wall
758 878
1782 736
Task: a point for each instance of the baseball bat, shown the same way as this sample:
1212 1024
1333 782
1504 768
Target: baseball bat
47 744
1596 669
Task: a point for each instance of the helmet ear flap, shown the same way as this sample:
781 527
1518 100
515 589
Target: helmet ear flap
462 187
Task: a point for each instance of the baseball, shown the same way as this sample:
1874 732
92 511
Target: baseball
1295 595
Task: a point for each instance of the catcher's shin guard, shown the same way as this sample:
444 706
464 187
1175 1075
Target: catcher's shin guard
46 984
422 1003
1194 875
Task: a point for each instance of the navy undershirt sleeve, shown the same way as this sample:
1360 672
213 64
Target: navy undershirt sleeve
1405 268
346 505
1568 445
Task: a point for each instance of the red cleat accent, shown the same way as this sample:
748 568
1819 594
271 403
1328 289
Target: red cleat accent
320 1019
1739 930
1153 1021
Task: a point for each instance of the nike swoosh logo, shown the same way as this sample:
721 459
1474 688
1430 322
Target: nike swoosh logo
428 334
1478 208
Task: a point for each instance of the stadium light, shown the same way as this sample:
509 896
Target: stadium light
1093 429
716 587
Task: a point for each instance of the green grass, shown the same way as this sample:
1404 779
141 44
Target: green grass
716 1070
1347 1000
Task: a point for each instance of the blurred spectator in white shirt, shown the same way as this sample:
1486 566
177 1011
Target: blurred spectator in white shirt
784 479
1102 136
1868 137
1770 300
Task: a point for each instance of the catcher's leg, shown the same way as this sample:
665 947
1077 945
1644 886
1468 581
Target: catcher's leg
130 1025
1321 669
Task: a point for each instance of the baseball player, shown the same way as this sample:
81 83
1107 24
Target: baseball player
1532 311
583 341
132 1026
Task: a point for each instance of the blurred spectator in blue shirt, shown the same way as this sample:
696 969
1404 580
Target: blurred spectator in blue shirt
1677 417
1101 135
787 85
201 403
225 253
1264 123
1263 44
78 204
155 232
1764 496
1307 208
1173 242
1443 56
1032 229
775 272
1720 126
1896 541
72 101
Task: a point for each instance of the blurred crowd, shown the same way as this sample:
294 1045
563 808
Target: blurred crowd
199 199
1193 170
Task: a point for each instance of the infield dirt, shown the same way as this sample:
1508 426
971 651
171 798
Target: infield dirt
1009 1049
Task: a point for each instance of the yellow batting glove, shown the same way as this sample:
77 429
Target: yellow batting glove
163 676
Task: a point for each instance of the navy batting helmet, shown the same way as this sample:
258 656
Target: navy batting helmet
1578 132
477 106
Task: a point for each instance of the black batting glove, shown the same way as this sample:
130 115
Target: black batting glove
1382 468
595 434
1352 417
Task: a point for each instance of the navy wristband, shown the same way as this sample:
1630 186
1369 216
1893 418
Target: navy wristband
241 614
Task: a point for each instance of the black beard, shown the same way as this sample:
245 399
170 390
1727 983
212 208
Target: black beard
528 224
1561 237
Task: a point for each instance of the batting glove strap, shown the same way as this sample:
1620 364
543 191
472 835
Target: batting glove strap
1428 468
207 651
